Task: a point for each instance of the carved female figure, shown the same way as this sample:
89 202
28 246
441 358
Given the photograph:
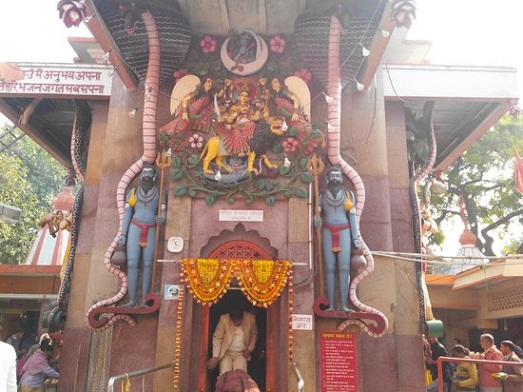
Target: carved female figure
236 126
195 114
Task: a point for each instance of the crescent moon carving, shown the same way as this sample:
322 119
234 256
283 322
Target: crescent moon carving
244 69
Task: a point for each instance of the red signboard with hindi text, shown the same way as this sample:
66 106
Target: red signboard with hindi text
338 362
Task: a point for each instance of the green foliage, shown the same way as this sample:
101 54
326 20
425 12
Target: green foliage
29 179
484 176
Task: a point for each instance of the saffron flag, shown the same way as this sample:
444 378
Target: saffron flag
518 172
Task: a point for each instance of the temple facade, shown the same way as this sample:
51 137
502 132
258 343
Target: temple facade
242 127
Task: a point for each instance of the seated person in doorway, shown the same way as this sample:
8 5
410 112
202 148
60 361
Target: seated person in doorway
233 341
15 340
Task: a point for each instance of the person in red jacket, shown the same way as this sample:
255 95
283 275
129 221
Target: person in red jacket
487 383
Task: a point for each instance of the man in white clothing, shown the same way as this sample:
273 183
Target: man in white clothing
7 365
234 340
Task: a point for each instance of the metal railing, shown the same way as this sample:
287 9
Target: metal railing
299 378
138 373
440 361
143 372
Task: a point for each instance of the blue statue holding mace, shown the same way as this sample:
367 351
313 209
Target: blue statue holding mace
139 230
340 231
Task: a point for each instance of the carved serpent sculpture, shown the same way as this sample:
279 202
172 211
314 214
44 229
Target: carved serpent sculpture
140 46
81 124
333 152
415 205
149 155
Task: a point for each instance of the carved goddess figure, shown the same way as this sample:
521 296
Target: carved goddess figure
236 126
193 112
287 104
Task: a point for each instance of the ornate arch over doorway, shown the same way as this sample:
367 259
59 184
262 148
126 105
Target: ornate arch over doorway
234 254
231 242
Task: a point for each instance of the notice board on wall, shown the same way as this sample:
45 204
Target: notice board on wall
338 362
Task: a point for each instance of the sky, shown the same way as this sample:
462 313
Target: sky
30 31
481 32
472 32
462 32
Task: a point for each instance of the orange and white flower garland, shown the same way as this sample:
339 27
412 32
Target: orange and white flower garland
262 281
178 340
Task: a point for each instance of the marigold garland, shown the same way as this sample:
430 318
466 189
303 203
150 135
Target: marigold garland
261 281
178 340
208 279
291 311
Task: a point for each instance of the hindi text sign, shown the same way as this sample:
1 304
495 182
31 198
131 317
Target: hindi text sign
338 362
241 216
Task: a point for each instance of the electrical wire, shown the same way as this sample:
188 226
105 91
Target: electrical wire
436 259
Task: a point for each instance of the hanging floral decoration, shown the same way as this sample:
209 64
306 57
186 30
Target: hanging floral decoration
178 340
291 310
305 74
180 73
261 281
208 279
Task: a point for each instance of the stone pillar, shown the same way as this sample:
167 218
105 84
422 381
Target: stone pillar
75 355
300 254
178 224
114 145
400 207
380 158
407 327
364 138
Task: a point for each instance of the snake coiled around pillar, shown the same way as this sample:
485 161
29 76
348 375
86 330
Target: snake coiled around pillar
79 137
335 158
414 182
149 155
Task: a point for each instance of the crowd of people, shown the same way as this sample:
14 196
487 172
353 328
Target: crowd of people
26 362
463 375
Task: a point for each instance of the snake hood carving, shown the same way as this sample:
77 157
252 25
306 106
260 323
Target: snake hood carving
151 86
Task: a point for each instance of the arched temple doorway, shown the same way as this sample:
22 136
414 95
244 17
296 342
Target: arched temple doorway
269 370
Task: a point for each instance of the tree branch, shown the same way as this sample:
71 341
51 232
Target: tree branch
489 241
